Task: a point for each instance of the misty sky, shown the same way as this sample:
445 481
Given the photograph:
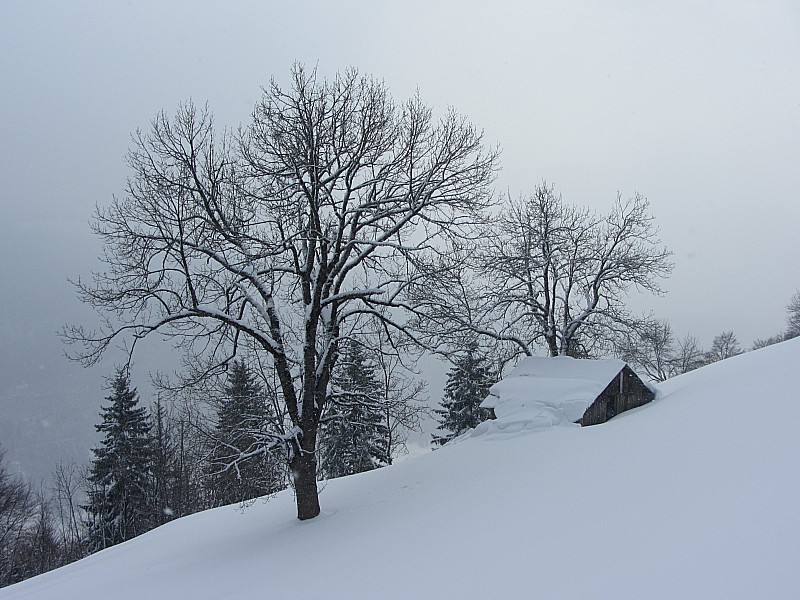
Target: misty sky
696 105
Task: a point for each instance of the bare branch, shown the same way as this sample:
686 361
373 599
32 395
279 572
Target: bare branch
318 215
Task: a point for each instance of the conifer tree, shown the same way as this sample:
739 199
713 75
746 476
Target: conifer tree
355 436
243 466
119 505
468 384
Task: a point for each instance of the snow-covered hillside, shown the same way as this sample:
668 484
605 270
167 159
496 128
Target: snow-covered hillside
695 495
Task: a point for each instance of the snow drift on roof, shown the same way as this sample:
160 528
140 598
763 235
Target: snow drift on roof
544 391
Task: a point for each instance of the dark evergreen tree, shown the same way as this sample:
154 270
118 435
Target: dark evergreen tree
120 491
355 435
243 463
468 384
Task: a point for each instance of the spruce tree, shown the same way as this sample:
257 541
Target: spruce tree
355 436
468 384
242 465
119 505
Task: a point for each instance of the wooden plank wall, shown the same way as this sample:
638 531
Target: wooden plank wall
625 391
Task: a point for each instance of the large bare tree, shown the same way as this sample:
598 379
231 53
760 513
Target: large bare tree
292 234
550 274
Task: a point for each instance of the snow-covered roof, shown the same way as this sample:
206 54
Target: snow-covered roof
562 386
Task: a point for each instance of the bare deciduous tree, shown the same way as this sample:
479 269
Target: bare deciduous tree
402 402
650 346
68 481
309 223
689 355
792 325
18 514
793 317
551 274
725 345
769 341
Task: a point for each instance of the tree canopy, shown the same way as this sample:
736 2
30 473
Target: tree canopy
316 218
548 274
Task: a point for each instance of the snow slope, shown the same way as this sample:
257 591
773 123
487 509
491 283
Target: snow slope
695 495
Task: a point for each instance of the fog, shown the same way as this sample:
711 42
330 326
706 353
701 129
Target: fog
696 105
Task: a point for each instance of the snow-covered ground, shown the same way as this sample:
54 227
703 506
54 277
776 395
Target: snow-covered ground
696 495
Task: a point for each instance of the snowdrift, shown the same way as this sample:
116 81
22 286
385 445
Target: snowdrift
695 495
544 392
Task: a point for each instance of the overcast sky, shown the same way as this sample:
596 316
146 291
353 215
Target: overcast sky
696 105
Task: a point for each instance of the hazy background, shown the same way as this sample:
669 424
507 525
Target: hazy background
694 104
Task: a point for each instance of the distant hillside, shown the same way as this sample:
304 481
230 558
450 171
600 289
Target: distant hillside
49 405
42 424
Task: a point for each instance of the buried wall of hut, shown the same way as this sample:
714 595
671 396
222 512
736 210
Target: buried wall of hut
626 391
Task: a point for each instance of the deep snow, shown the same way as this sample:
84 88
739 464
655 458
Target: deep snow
695 495
546 391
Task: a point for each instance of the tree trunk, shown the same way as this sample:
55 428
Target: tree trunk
552 345
304 476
